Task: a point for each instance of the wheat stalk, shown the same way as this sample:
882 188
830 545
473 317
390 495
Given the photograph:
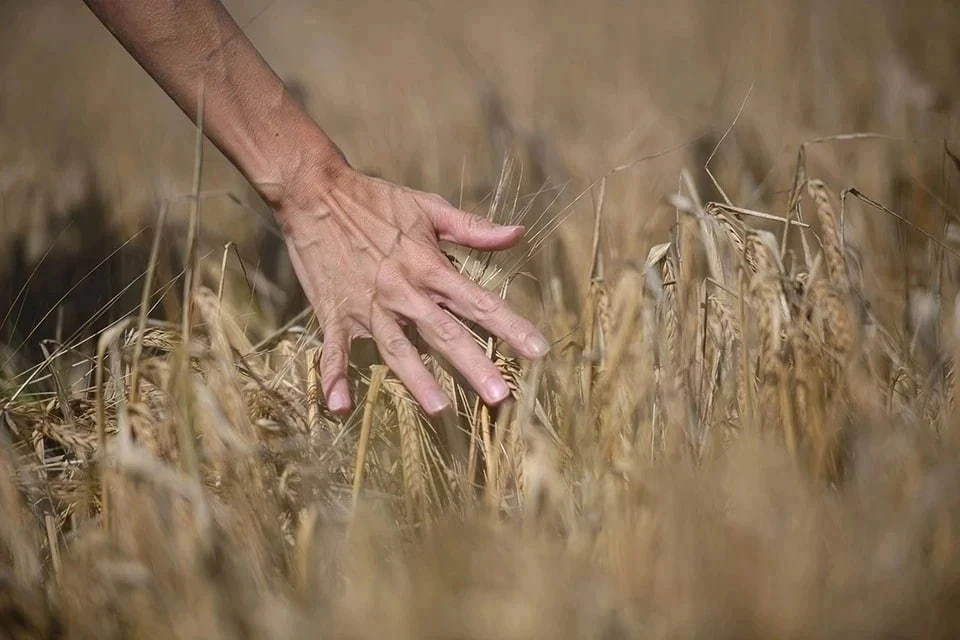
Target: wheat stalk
411 456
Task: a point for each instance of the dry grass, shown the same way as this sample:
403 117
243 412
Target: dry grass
747 426
820 500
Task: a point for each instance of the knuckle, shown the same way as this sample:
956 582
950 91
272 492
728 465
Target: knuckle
434 266
390 284
332 355
487 304
474 222
397 346
389 275
444 327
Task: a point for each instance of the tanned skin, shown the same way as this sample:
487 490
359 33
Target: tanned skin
365 250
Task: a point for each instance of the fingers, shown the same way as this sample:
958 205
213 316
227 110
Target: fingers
469 300
334 363
403 359
445 334
470 230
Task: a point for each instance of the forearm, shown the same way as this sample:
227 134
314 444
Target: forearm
248 113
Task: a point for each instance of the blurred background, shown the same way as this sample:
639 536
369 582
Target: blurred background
437 95
775 461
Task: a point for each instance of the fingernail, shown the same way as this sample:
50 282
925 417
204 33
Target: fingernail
537 346
495 389
339 401
435 402
514 228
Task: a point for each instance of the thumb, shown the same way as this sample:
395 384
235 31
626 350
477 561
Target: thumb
473 231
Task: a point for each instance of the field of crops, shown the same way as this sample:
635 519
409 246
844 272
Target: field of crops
743 242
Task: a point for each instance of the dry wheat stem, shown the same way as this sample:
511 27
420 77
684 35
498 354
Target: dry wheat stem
377 375
145 303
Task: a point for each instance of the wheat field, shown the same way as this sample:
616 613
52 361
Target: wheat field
743 242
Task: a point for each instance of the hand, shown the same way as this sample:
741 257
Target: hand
367 255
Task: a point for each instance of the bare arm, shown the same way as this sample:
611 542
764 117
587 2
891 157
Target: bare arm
249 114
366 251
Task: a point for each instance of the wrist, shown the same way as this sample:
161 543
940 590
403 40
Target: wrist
285 152
308 174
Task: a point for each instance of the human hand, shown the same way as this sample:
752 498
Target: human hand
367 255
